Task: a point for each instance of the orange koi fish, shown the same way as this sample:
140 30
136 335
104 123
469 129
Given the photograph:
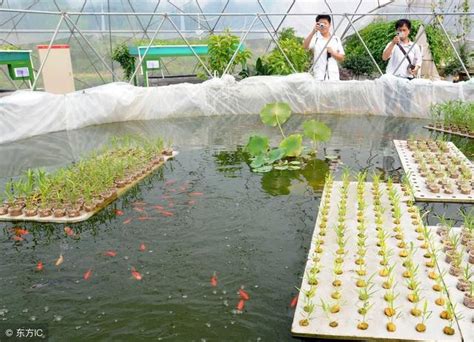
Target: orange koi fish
214 280
294 301
241 305
20 231
60 260
136 274
140 210
127 221
166 213
88 274
110 253
17 238
145 218
196 194
243 294
39 266
118 212
159 207
142 247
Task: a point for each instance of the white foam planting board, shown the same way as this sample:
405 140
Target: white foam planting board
466 135
348 317
466 322
420 190
85 215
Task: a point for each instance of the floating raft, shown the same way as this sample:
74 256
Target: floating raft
348 317
466 135
86 215
420 190
456 296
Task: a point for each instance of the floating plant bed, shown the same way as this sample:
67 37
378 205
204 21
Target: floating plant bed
78 192
455 248
437 170
367 276
450 130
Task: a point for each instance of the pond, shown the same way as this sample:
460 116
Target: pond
252 229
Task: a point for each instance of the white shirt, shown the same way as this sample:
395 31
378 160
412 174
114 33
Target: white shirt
319 69
397 56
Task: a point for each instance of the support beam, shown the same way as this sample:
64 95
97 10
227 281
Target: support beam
365 46
142 58
33 86
66 16
452 45
229 65
278 45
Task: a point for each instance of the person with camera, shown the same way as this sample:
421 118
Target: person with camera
327 50
402 50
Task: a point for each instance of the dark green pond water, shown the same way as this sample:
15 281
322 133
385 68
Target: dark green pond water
252 229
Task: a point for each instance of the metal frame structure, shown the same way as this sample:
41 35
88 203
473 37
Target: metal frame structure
270 29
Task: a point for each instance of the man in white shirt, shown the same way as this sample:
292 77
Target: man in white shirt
325 67
401 50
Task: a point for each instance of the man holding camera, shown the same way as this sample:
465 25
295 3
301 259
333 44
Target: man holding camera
325 66
401 50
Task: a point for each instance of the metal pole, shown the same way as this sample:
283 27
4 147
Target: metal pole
151 18
278 45
138 19
411 47
90 45
141 59
33 86
203 15
279 25
110 42
365 46
189 45
238 47
326 45
85 52
218 19
265 12
452 45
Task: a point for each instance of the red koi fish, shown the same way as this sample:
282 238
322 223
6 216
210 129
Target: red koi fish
118 212
214 280
127 221
166 213
145 218
241 305
88 274
17 238
294 301
110 253
39 266
243 294
136 274
68 231
140 210
159 207
196 194
142 247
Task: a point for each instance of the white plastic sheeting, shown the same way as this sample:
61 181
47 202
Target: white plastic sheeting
24 113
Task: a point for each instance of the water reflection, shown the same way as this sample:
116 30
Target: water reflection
276 182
